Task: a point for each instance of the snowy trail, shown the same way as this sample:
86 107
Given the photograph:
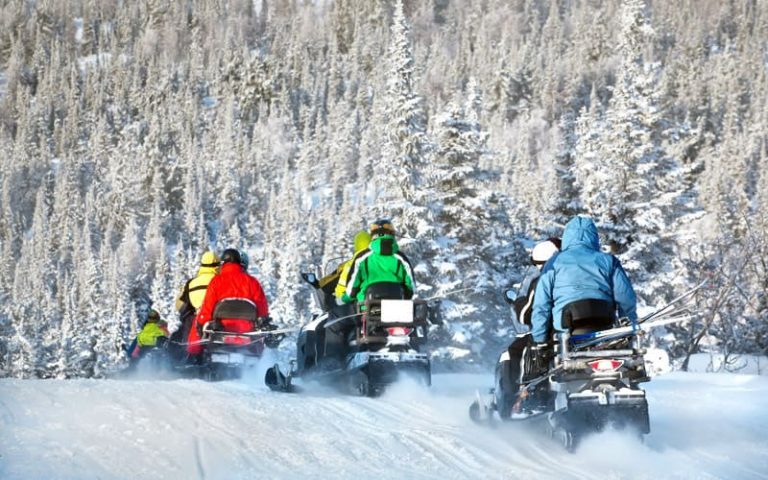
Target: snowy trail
703 426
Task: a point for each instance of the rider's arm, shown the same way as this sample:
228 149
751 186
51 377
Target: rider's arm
183 297
543 302
211 297
355 279
260 300
623 293
408 282
341 286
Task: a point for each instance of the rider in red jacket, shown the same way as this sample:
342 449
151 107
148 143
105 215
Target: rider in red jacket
231 282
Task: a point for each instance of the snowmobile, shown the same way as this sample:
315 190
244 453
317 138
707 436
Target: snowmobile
360 348
233 341
587 379
148 361
581 385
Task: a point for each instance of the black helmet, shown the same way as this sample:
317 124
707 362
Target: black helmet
382 227
231 255
153 316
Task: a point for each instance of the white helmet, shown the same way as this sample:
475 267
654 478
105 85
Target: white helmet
543 251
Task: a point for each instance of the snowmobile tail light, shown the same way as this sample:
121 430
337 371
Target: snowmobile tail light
237 340
398 331
605 365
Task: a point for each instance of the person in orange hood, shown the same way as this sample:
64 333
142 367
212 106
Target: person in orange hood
231 282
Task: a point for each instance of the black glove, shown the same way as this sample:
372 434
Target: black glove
273 341
265 323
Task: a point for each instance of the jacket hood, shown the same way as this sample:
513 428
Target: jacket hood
206 271
362 240
379 245
230 267
581 231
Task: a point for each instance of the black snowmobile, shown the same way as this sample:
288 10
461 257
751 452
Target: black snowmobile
233 341
360 348
585 380
149 362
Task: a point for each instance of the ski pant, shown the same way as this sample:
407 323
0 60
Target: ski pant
177 350
509 369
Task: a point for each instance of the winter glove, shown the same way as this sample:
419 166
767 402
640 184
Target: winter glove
273 340
265 323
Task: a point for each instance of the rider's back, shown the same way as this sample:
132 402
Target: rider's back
380 262
580 271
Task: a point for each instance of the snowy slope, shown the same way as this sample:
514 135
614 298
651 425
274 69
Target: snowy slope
704 426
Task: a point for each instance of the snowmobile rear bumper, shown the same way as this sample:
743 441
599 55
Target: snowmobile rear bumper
593 411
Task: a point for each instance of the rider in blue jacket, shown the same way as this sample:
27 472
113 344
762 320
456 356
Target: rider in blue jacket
580 271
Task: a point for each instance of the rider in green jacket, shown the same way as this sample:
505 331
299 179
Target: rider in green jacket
382 261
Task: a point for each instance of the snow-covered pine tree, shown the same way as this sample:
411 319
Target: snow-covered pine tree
398 174
628 182
472 248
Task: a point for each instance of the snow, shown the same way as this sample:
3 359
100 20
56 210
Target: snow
209 102
745 364
94 61
78 29
703 426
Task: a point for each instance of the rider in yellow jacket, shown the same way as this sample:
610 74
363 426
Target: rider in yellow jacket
154 329
193 292
362 241
191 298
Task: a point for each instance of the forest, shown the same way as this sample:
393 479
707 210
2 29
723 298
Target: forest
134 135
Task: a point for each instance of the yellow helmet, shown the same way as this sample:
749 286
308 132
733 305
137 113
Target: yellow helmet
362 240
210 259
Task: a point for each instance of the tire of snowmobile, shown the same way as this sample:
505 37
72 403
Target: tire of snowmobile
360 385
568 439
277 381
218 373
474 412
209 374
504 406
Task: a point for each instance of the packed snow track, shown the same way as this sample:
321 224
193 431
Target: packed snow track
703 426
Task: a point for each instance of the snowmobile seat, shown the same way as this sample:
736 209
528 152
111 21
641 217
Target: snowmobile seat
385 290
589 315
239 308
235 315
